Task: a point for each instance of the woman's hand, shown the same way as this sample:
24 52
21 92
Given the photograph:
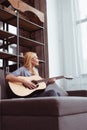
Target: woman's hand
29 84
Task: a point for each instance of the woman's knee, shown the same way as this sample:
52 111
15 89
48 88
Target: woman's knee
51 93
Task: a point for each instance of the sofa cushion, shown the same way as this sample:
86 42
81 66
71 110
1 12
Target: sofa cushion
72 105
47 106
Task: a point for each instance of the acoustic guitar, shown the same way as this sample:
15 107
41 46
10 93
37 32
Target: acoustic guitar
20 90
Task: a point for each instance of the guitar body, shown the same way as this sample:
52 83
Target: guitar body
20 90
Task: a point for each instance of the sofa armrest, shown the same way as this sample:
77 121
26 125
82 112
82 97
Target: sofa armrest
81 93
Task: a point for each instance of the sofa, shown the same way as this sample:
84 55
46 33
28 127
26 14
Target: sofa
42 113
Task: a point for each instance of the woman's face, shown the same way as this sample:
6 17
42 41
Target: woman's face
35 60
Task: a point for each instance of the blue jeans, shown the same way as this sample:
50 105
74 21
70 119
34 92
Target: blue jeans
50 90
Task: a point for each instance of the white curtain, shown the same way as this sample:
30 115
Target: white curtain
72 45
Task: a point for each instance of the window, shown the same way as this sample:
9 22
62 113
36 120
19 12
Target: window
81 11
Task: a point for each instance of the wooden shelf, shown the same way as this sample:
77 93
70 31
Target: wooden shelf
24 7
4 35
23 41
31 33
4 55
28 25
10 17
7 15
13 57
10 57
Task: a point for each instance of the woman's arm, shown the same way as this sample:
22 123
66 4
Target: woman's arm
12 78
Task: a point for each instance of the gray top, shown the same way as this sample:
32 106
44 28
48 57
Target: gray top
22 71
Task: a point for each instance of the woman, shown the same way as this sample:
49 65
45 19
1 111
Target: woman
28 69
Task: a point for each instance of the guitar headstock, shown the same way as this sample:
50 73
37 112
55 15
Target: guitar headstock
68 77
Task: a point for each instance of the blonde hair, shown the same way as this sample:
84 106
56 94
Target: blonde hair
27 62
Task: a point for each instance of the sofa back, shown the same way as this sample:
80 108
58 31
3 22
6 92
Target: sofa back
3 89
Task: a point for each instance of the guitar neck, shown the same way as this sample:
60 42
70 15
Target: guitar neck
57 77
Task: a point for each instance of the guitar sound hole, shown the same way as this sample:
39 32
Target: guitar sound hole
36 83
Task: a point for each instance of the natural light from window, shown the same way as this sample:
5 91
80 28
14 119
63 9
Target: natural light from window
82 24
